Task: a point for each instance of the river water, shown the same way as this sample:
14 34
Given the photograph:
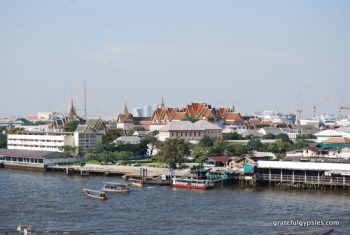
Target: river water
53 203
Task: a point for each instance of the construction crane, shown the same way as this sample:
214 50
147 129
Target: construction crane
340 107
317 105
299 109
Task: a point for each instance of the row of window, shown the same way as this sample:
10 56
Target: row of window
185 134
32 146
192 133
21 159
54 141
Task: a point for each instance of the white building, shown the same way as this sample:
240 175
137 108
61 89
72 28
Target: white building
276 117
54 141
42 141
190 131
327 134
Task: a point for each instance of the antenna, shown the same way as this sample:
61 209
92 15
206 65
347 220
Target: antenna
85 113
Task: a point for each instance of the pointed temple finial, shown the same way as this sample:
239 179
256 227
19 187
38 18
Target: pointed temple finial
125 111
72 115
162 105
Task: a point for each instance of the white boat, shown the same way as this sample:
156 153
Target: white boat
191 183
95 194
136 182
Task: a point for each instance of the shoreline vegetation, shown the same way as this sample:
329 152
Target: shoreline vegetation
175 152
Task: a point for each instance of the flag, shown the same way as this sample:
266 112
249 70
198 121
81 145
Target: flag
19 228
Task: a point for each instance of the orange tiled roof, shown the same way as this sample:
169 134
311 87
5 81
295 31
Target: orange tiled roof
333 140
179 116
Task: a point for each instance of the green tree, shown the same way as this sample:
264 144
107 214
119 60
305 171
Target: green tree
306 136
255 144
71 150
172 152
284 137
147 141
199 151
131 130
110 136
206 141
3 140
71 126
269 137
191 119
239 149
279 147
219 148
233 136
301 143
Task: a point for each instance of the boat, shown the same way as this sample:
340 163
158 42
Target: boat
192 183
95 194
115 187
136 182
325 231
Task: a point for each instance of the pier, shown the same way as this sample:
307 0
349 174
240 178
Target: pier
304 175
298 181
94 169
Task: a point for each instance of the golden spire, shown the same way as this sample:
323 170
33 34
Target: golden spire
72 115
162 105
125 111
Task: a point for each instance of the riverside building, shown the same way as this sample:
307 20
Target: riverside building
190 131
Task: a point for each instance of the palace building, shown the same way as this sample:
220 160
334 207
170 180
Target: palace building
222 117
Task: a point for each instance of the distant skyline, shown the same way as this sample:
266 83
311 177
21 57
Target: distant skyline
255 55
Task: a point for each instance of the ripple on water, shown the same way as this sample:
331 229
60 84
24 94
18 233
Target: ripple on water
54 203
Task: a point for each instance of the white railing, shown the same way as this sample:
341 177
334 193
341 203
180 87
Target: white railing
306 179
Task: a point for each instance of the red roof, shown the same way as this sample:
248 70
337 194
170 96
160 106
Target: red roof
179 116
235 122
233 116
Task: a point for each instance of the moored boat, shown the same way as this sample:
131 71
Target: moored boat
116 187
136 182
191 183
94 194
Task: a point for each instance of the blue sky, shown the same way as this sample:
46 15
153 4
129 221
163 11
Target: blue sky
255 55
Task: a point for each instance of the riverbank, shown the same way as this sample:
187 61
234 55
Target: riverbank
88 169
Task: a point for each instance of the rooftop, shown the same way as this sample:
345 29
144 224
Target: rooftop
32 154
334 140
200 125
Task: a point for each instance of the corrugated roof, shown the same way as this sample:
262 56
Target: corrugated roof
180 126
314 166
32 153
206 125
